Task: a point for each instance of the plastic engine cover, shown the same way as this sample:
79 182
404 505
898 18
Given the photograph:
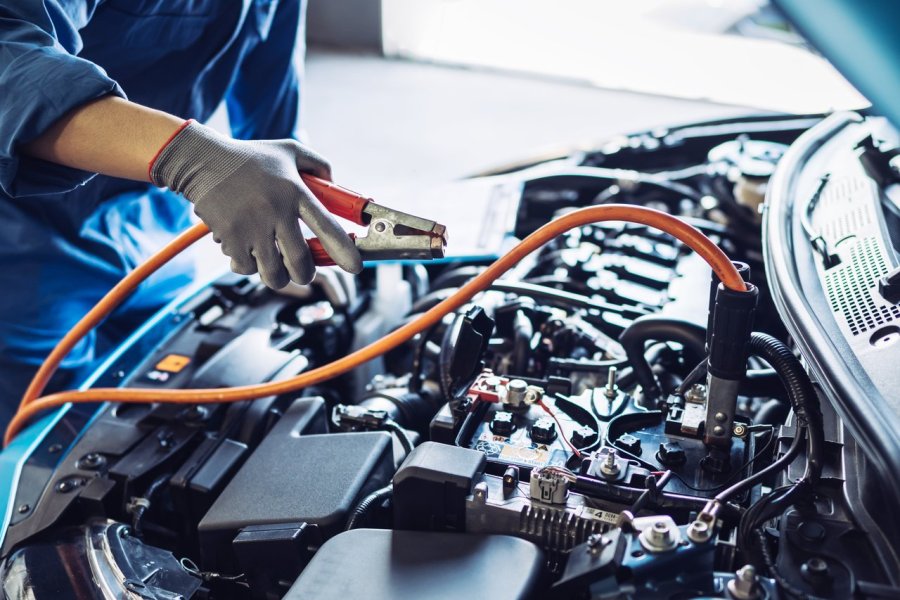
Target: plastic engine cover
379 564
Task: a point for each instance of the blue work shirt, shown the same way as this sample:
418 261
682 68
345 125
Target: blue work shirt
67 236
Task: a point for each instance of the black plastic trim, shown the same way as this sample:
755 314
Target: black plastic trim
808 318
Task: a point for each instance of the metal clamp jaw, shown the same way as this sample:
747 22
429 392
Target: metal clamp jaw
395 235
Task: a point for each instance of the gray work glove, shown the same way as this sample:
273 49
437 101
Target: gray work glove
250 195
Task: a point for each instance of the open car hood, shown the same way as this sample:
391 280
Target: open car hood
860 39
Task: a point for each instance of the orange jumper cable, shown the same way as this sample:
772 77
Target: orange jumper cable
32 405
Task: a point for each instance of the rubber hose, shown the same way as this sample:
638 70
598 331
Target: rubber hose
659 329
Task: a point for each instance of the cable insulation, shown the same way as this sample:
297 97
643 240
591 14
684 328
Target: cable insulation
686 233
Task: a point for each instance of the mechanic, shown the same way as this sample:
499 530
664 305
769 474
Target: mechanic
92 87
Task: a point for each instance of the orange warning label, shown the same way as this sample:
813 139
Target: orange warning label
173 363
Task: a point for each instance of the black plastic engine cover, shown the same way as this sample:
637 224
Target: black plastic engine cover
379 564
296 478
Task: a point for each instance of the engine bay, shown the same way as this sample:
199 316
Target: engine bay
574 431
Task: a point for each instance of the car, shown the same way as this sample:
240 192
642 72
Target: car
681 382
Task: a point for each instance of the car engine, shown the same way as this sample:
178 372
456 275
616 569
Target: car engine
574 431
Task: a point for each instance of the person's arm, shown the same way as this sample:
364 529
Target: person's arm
60 122
110 135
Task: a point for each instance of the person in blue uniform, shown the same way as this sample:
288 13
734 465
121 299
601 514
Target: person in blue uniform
103 156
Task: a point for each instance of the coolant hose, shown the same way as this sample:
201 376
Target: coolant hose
653 328
800 393
32 405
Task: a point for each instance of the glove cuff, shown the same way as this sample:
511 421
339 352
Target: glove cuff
195 159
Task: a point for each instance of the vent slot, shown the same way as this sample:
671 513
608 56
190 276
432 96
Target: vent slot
844 209
852 288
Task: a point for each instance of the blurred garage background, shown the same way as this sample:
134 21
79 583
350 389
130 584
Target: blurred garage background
409 92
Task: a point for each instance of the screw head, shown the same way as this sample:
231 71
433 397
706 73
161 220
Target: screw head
92 461
23 508
817 565
64 486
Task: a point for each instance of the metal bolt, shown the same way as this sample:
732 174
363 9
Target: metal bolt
491 383
596 542
165 438
517 385
817 566
699 532
744 586
481 491
611 390
696 393
196 413
23 508
54 448
718 430
739 430
64 486
610 466
659 533
721 417
92 461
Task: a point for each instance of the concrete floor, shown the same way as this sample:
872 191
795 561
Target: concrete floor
386 123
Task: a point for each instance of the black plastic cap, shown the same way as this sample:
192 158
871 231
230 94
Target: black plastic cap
743 270
730 332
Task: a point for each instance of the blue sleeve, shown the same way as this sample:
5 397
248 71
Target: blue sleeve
264 100
41 79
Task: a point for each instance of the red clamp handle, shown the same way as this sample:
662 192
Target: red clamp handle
337 200
320 257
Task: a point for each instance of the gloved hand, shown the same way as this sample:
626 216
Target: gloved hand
250 195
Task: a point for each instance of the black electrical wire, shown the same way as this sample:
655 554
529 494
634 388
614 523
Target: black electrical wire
770 440
470 423
695 376
778 465
367 505
148 496
801 395
620 494
654 488
401 434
